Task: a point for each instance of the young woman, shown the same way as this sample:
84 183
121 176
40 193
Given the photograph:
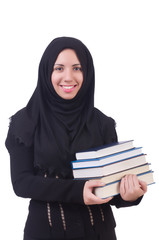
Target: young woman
59 120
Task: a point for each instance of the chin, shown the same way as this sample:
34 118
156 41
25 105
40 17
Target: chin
68 97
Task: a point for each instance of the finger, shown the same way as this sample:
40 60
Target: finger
96 200
95 183
143 185
104 200
133 182
139 184
127 183
136 181
122 186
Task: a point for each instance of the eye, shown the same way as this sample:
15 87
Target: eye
77 69
59 69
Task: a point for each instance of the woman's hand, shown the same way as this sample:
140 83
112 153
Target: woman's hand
88 195
131 188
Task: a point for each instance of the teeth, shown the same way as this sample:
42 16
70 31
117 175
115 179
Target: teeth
68 87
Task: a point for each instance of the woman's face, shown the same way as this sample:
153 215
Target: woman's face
67 75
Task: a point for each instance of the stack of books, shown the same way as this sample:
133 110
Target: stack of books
109 164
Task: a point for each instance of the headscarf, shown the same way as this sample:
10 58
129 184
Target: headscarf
57 127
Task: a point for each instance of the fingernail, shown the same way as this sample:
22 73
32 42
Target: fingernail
102 183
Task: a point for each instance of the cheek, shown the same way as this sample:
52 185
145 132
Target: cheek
81 80
54 80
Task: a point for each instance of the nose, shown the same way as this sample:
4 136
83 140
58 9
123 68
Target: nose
68 75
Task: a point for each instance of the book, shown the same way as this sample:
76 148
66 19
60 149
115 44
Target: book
117 176
108 169
98 162
110 164
113 188
105 150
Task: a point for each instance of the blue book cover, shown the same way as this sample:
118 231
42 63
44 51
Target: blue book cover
101 161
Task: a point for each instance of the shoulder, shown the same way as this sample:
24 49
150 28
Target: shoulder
17 119
107 126
104 119
21 129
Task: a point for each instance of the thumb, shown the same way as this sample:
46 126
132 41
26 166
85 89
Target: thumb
95 183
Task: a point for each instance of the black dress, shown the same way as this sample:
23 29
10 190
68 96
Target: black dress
57 210
42 141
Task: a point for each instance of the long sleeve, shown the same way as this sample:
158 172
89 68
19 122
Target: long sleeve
28 185
119 202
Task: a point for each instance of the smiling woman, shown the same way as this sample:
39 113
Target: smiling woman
59 120
67 75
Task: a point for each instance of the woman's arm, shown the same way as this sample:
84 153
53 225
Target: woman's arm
28 185
131 192
89 196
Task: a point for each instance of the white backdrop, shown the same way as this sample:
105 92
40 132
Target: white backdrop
123 37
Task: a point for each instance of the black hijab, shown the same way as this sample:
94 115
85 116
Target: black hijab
58 128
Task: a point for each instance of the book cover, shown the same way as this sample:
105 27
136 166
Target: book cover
117 176
110 168
105 150
98 162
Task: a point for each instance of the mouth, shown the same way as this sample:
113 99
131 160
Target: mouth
68 88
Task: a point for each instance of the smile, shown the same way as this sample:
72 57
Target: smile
68 88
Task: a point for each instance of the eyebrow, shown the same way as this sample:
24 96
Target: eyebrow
63 65
76 64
